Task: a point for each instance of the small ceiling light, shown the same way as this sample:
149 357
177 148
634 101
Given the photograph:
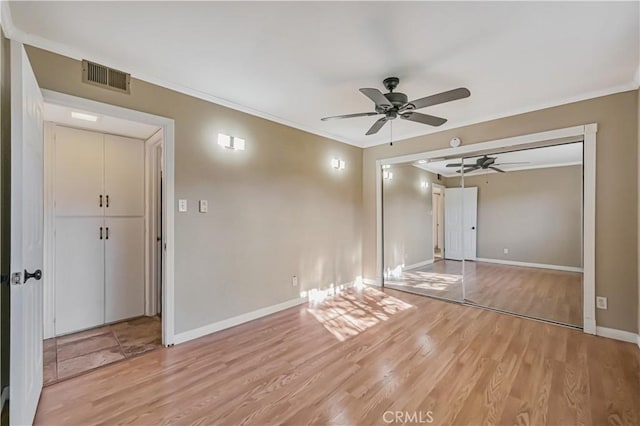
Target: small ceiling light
422 161
83 116
338 164
455 142
231 142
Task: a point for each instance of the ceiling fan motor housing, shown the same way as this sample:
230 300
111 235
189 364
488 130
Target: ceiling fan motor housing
397 99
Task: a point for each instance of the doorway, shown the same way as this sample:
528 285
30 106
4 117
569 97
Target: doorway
438 222
103 203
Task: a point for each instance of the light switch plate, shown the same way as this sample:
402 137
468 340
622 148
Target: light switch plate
204 206
182 206
294 281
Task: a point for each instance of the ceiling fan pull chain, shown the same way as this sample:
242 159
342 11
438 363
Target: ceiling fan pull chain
391 130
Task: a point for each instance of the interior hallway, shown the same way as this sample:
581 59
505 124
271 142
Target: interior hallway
539 293
351 358
77 353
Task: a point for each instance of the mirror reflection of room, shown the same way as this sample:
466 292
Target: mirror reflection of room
523 228
414 233
501 230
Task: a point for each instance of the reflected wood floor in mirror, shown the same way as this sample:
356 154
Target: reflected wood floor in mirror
351 358
540 293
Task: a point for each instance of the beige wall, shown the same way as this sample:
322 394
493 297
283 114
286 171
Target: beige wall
616 189
408 217
536 214
276 210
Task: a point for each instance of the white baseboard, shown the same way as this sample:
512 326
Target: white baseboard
418 265
531 265
612 333
237 320
250 316
4 397
372 281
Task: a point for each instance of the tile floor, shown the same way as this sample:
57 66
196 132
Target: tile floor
74 354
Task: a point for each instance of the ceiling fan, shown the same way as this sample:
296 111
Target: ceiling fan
483 163
396 104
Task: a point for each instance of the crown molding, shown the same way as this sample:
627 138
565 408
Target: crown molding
15 33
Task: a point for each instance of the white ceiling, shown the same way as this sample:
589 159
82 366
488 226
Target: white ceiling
115 126
295 62
550 156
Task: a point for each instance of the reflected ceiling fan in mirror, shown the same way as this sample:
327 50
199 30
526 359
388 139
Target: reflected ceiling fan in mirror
483 163
396 104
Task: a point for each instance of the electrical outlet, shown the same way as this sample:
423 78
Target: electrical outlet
294 281
506 251
601 302
182 206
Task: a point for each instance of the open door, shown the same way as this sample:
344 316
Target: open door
25 362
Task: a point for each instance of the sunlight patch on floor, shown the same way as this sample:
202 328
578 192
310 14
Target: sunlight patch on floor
428 280
352 312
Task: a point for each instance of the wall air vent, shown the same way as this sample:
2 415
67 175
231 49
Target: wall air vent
106 77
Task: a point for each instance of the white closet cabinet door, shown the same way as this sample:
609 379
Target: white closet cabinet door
124 268
79 172
79 273
124 176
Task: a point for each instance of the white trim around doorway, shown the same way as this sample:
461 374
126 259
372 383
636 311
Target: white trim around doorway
585 132
168 128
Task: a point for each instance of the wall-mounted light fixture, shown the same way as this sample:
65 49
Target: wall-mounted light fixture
338 164
424 184
84 116
422 161
386 174
230 142
386 166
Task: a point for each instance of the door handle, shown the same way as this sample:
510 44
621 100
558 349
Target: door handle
100 204
37 275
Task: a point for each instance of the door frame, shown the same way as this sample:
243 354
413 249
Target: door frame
587 133
167 126
151 221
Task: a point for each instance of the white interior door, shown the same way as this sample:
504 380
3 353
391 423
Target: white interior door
27 234
470 214
79 273
124 268
124 176
460 223
453 244
79 172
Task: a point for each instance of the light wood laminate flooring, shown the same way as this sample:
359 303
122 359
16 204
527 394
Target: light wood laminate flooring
351 358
